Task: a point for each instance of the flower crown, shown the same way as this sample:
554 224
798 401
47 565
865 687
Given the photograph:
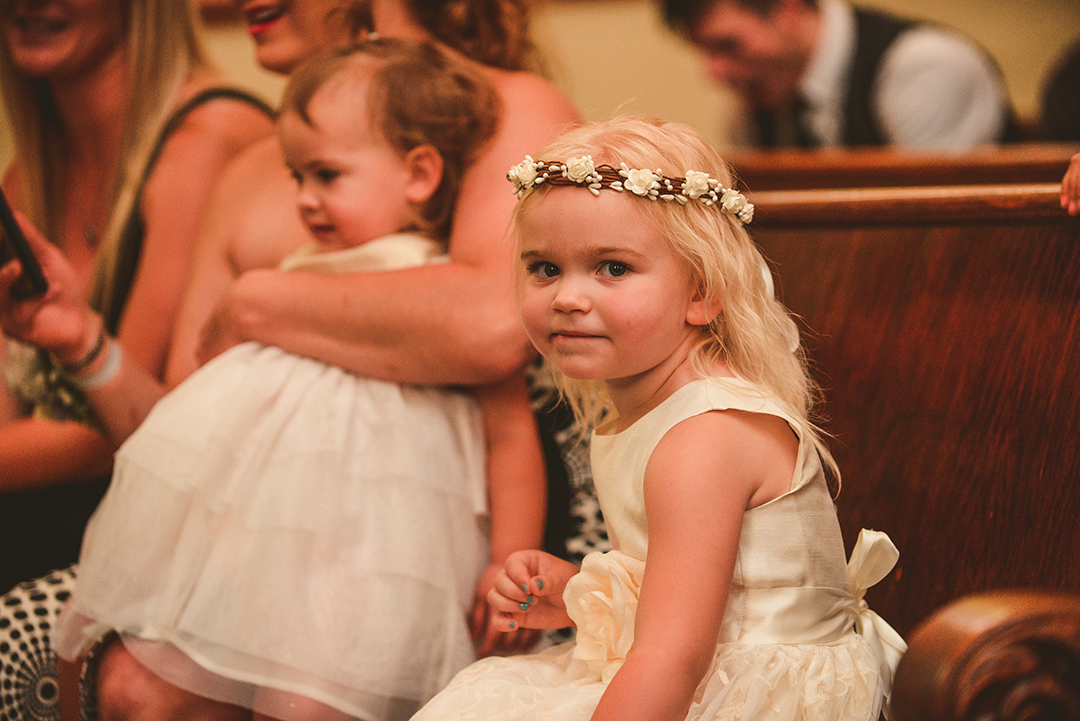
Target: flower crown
651 184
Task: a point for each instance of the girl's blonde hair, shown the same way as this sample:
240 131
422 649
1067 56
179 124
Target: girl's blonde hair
751 332
163 48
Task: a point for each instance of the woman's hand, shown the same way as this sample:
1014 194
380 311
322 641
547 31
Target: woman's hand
59 320
528 592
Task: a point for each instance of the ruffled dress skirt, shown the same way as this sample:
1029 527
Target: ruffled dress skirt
280 531
838 681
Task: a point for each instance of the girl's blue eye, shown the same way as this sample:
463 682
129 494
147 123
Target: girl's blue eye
544 270
613 268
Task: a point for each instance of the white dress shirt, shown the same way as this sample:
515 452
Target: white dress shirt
935 89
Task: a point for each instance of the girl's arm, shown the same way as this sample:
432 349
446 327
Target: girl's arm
702 476
517 497
452 323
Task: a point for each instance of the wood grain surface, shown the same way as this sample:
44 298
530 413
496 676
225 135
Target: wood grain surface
949 354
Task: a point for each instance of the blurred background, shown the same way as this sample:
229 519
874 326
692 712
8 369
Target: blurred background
617 55
614 56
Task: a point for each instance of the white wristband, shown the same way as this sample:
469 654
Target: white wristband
106 373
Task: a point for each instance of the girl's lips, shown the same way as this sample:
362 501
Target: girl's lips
572 335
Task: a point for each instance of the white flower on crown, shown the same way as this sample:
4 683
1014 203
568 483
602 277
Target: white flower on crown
746 214
696 184
579 169
732 201
640 182
523 175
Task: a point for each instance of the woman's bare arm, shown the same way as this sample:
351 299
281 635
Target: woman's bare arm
441 324
173 202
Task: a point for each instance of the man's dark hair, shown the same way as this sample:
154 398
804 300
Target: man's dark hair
682 14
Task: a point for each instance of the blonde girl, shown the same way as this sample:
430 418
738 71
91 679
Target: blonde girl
726 593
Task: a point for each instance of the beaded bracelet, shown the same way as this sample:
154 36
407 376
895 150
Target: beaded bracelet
90 357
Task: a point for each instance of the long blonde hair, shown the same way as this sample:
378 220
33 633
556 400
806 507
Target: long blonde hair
752 332
163 48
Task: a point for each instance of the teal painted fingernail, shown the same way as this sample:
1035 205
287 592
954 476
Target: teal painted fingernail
523 606
525 587
530 599
540 584
512 625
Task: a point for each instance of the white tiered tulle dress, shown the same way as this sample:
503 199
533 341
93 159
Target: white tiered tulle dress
788 647
280 530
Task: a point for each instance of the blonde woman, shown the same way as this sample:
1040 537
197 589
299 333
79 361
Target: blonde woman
121 128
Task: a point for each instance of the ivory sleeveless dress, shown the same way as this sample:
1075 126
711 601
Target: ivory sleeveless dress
788 646
280 528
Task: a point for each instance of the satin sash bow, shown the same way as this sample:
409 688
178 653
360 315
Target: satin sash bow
872 559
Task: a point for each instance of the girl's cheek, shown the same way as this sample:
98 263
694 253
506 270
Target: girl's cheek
532 316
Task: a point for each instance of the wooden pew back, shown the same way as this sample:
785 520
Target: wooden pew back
761 170
944 327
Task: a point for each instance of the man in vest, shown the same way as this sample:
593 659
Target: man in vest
821 73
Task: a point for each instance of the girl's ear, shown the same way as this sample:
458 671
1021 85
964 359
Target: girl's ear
425 166
700 311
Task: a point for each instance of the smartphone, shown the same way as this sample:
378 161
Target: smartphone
13 245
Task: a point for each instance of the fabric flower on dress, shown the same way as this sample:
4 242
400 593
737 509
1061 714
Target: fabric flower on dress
602 600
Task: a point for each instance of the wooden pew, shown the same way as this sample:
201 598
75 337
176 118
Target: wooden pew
788 169
944 326
1011 655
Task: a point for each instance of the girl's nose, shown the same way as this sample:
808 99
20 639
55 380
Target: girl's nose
571 295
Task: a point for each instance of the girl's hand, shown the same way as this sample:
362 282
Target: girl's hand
528 592
60 320
491 640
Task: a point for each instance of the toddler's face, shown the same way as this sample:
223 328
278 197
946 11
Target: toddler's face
602 295
352 185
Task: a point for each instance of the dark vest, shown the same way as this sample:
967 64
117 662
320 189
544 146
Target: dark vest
875 32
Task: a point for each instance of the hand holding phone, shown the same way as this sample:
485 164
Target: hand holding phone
13 245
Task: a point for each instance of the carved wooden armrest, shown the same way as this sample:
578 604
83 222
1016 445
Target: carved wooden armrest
993 657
